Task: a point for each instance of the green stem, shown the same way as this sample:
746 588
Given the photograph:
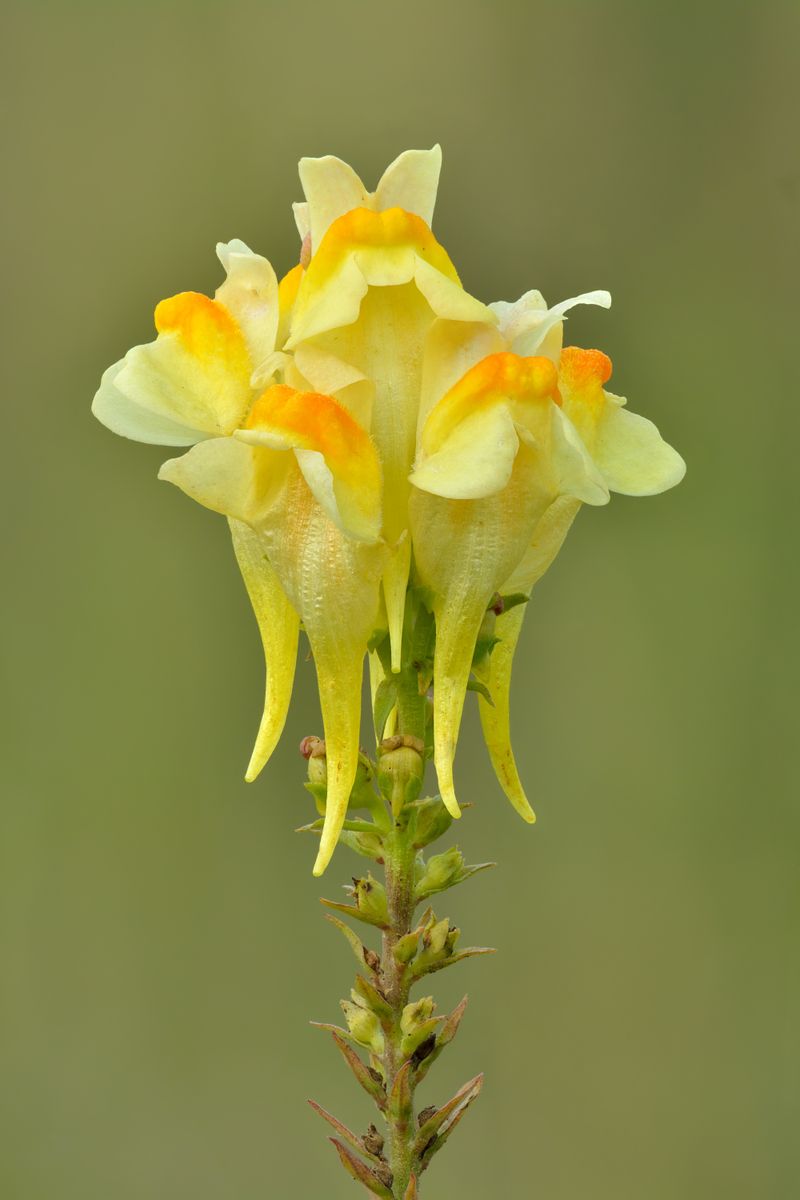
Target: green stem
400 896
400 885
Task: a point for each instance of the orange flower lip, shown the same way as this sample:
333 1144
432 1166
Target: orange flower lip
205 326
581 369
363 229
494 380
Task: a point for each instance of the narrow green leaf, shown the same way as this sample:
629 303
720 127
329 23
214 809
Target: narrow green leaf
400 1098
351 1138
361 1173
363 955
368 1080
350 826
349 910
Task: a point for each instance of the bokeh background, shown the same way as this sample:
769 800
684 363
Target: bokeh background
162 946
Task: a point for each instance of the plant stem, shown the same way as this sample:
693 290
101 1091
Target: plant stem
399 859
400 896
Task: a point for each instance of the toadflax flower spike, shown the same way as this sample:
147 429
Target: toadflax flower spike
390 454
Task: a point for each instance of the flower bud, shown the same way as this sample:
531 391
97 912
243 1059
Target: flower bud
401 767
433 820
370 899
441 871
364 1026
415 1014
312 750
437 937
406 947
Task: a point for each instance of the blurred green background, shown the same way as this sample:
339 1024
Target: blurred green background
162 946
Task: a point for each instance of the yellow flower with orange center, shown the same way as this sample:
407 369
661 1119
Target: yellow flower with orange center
366 425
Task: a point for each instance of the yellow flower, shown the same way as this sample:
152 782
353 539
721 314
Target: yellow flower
367 414
298 478
631 458
376 282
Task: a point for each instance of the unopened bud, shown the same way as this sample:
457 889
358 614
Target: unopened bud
452 940
437 936
406 947
401 767
364 1026
441 871
433 820
370 899
415 1014
363 794
313 751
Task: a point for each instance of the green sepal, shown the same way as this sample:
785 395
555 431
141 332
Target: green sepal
319 791
351 1138
443 1039
475 685
363 1174
376 1001
484 647
385 701
436 1130
367 1078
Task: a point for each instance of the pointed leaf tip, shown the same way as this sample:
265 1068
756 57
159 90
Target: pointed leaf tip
362 1173
351 1138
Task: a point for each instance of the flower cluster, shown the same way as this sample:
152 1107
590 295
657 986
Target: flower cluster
368 426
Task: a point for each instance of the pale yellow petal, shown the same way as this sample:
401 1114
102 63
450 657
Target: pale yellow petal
537 332
411 182
250 294
332 188
279 627
633 457
476 460
124 415
227 476
575 470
